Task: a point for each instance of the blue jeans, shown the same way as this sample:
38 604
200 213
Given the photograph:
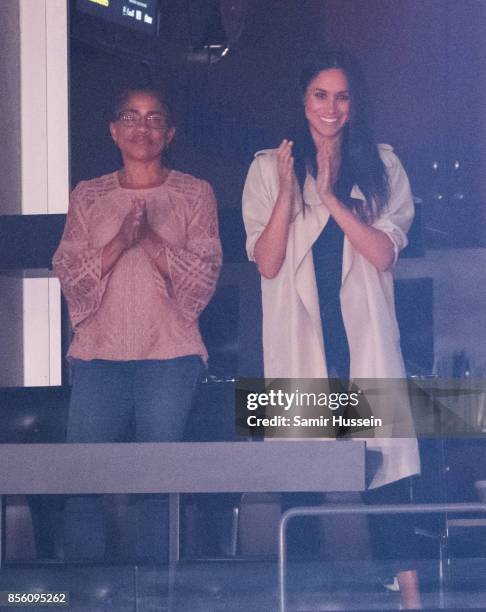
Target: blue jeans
108 399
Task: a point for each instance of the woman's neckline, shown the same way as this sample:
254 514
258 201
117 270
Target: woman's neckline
146 188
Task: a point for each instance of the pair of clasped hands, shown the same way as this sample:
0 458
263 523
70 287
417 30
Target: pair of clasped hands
328 165
135 230
135 226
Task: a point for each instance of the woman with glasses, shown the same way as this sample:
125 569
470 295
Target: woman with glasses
326 217
138 262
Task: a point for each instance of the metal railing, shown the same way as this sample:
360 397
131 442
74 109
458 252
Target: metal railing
356 509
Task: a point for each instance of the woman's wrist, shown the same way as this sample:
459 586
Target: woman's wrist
120 243
112 252
284 200
153 245
330 201
156 250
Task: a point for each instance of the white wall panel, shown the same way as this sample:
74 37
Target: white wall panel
10 189
45 171
33 105
57 107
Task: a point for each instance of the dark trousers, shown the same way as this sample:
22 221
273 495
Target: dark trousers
108 397
388 537
393 535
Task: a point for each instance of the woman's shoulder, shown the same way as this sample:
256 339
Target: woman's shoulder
184 179
394 168
265 157
98 186
266 153
264 163
388 156
188 182
188 187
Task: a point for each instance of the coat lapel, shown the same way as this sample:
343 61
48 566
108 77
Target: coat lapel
348 253
307 227
309 224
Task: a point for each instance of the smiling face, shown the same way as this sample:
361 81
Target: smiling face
327 105
141 130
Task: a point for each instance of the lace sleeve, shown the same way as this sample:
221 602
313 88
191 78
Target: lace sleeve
194 269
78 265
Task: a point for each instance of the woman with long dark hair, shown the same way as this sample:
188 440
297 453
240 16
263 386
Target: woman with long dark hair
326 217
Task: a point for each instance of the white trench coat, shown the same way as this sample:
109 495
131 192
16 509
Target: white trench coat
293 338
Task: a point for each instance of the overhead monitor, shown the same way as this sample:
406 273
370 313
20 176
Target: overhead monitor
140 15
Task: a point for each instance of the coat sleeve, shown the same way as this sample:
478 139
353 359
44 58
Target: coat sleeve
396 219
258 203
77 264
194 268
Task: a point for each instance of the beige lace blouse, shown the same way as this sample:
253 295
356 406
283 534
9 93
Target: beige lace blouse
131 313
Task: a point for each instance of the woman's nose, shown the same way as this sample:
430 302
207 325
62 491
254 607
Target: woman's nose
331 105
142 125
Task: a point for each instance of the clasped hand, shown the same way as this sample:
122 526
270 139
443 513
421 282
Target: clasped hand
135 226
285 166
328 165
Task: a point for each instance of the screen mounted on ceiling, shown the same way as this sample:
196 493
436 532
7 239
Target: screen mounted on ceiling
140 15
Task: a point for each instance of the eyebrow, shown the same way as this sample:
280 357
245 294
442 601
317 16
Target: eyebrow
150 112
346 91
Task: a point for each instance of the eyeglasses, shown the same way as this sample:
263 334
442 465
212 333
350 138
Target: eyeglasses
156 121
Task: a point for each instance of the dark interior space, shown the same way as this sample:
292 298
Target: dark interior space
249 100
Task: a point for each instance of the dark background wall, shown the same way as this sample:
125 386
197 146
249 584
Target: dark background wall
224 112
423 61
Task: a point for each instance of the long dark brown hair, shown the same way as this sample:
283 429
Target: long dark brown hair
360 156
